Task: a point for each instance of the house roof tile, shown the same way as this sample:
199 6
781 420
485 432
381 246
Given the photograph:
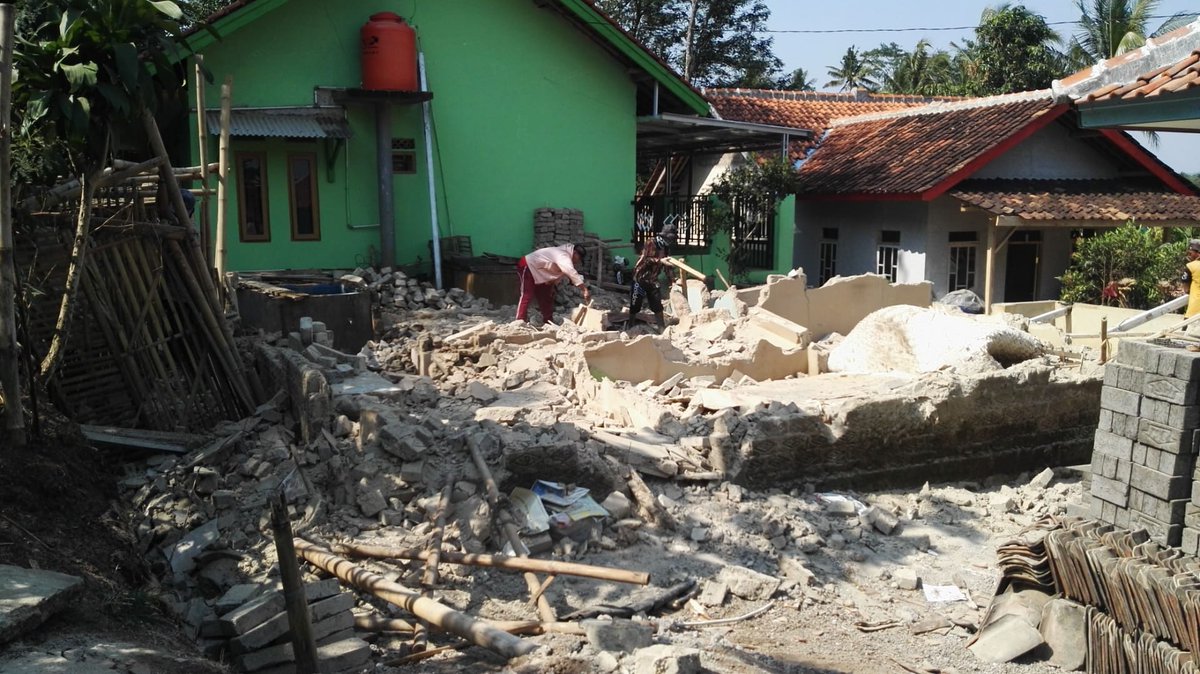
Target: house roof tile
805 109
1164 64
908 153
1104 201
1183 74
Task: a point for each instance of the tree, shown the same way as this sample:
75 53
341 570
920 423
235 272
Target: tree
854 72
88 72
1111 27
798 80
753 188
1014 50
1129 266
657 24
711 42
923 71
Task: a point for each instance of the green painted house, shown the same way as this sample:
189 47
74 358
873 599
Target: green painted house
530 104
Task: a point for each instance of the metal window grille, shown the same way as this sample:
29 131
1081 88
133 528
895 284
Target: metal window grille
753 232
828 261
962 265
686 217
887 260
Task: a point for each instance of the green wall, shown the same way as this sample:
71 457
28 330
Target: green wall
785 231
528 112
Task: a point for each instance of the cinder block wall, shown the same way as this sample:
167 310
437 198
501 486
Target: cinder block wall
1144 454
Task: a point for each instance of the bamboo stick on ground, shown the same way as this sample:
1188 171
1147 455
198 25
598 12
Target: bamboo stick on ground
474 630
545 610
500 562
647 507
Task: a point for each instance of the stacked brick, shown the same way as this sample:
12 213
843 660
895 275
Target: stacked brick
253 629
1143 458
556 226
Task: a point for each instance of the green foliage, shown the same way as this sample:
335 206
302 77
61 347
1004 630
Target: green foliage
1132 262
798 80
762 181
727 48
85 71
855 71
1014 50
1111 27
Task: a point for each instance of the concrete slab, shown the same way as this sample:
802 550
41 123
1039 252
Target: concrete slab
29 596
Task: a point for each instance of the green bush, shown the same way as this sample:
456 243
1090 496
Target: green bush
1132 262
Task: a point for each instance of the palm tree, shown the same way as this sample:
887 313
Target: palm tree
853 72
798 80
1111 27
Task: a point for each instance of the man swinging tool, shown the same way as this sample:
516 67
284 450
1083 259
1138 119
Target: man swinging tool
539 273
646 273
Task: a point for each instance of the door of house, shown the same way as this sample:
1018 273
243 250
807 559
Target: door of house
1021 269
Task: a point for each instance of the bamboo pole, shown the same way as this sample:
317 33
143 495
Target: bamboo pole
304 644
372 623
476 631
505 562
201 137
223 173
648 508
545 610
10 372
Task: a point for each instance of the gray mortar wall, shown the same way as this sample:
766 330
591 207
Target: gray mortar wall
1144 452
1002 423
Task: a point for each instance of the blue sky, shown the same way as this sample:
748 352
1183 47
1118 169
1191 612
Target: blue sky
816 52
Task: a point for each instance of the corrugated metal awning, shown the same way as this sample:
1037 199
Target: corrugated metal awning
305 122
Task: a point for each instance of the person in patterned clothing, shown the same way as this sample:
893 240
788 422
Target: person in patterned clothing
646 273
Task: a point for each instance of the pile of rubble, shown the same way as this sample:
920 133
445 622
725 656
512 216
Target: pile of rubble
420 442
394 290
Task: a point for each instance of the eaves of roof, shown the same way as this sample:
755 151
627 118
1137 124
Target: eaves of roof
584 13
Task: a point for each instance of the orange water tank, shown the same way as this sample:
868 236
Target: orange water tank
389 54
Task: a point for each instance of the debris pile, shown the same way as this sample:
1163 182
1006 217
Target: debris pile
396 291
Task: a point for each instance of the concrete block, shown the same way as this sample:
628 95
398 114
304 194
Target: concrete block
1164 437
1165 533
1111 492
252 614
1106 421
261 635
1130 378
1170 389
666 659
1119 400
906 578
1174 464
1123 471
1164 364
618 635
1189 541
748 583
333 623
343 655
1136 353
1139 454
266 657
322 589
1162 485
1187 366
235 597
1186 417
1110 444
1122 517
713 593
338 603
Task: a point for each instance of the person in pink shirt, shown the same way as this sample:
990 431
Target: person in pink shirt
539 273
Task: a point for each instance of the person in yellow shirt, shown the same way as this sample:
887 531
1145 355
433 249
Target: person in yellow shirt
1191 276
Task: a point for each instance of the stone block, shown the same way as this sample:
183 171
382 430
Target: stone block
1189 541
1136 353
713 593
333 623
341 602
666 659
1110 491
748 583
1165 533
618 635
1064 630
265 657
1187 366
29 596
1124 425
1110 444
906 578
1120 400
1170 389
235 597
261 635
1162 485
1174 464
1106 421
1186 417
1166 438
252 614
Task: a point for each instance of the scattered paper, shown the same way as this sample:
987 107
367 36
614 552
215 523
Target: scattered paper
530 506
830 497
584 508
557 493
941 594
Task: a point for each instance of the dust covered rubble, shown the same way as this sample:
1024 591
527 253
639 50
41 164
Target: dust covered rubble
525 399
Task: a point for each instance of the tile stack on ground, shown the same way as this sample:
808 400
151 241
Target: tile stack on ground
1144 453
257 637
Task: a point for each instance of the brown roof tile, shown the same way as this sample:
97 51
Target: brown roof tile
910 152
1104 201
1183 74
805 109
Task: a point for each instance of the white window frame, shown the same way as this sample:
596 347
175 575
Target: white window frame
827 262
971 250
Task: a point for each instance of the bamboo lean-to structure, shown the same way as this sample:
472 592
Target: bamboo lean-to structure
150 346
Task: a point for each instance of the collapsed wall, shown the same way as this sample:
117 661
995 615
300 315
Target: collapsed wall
933 427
